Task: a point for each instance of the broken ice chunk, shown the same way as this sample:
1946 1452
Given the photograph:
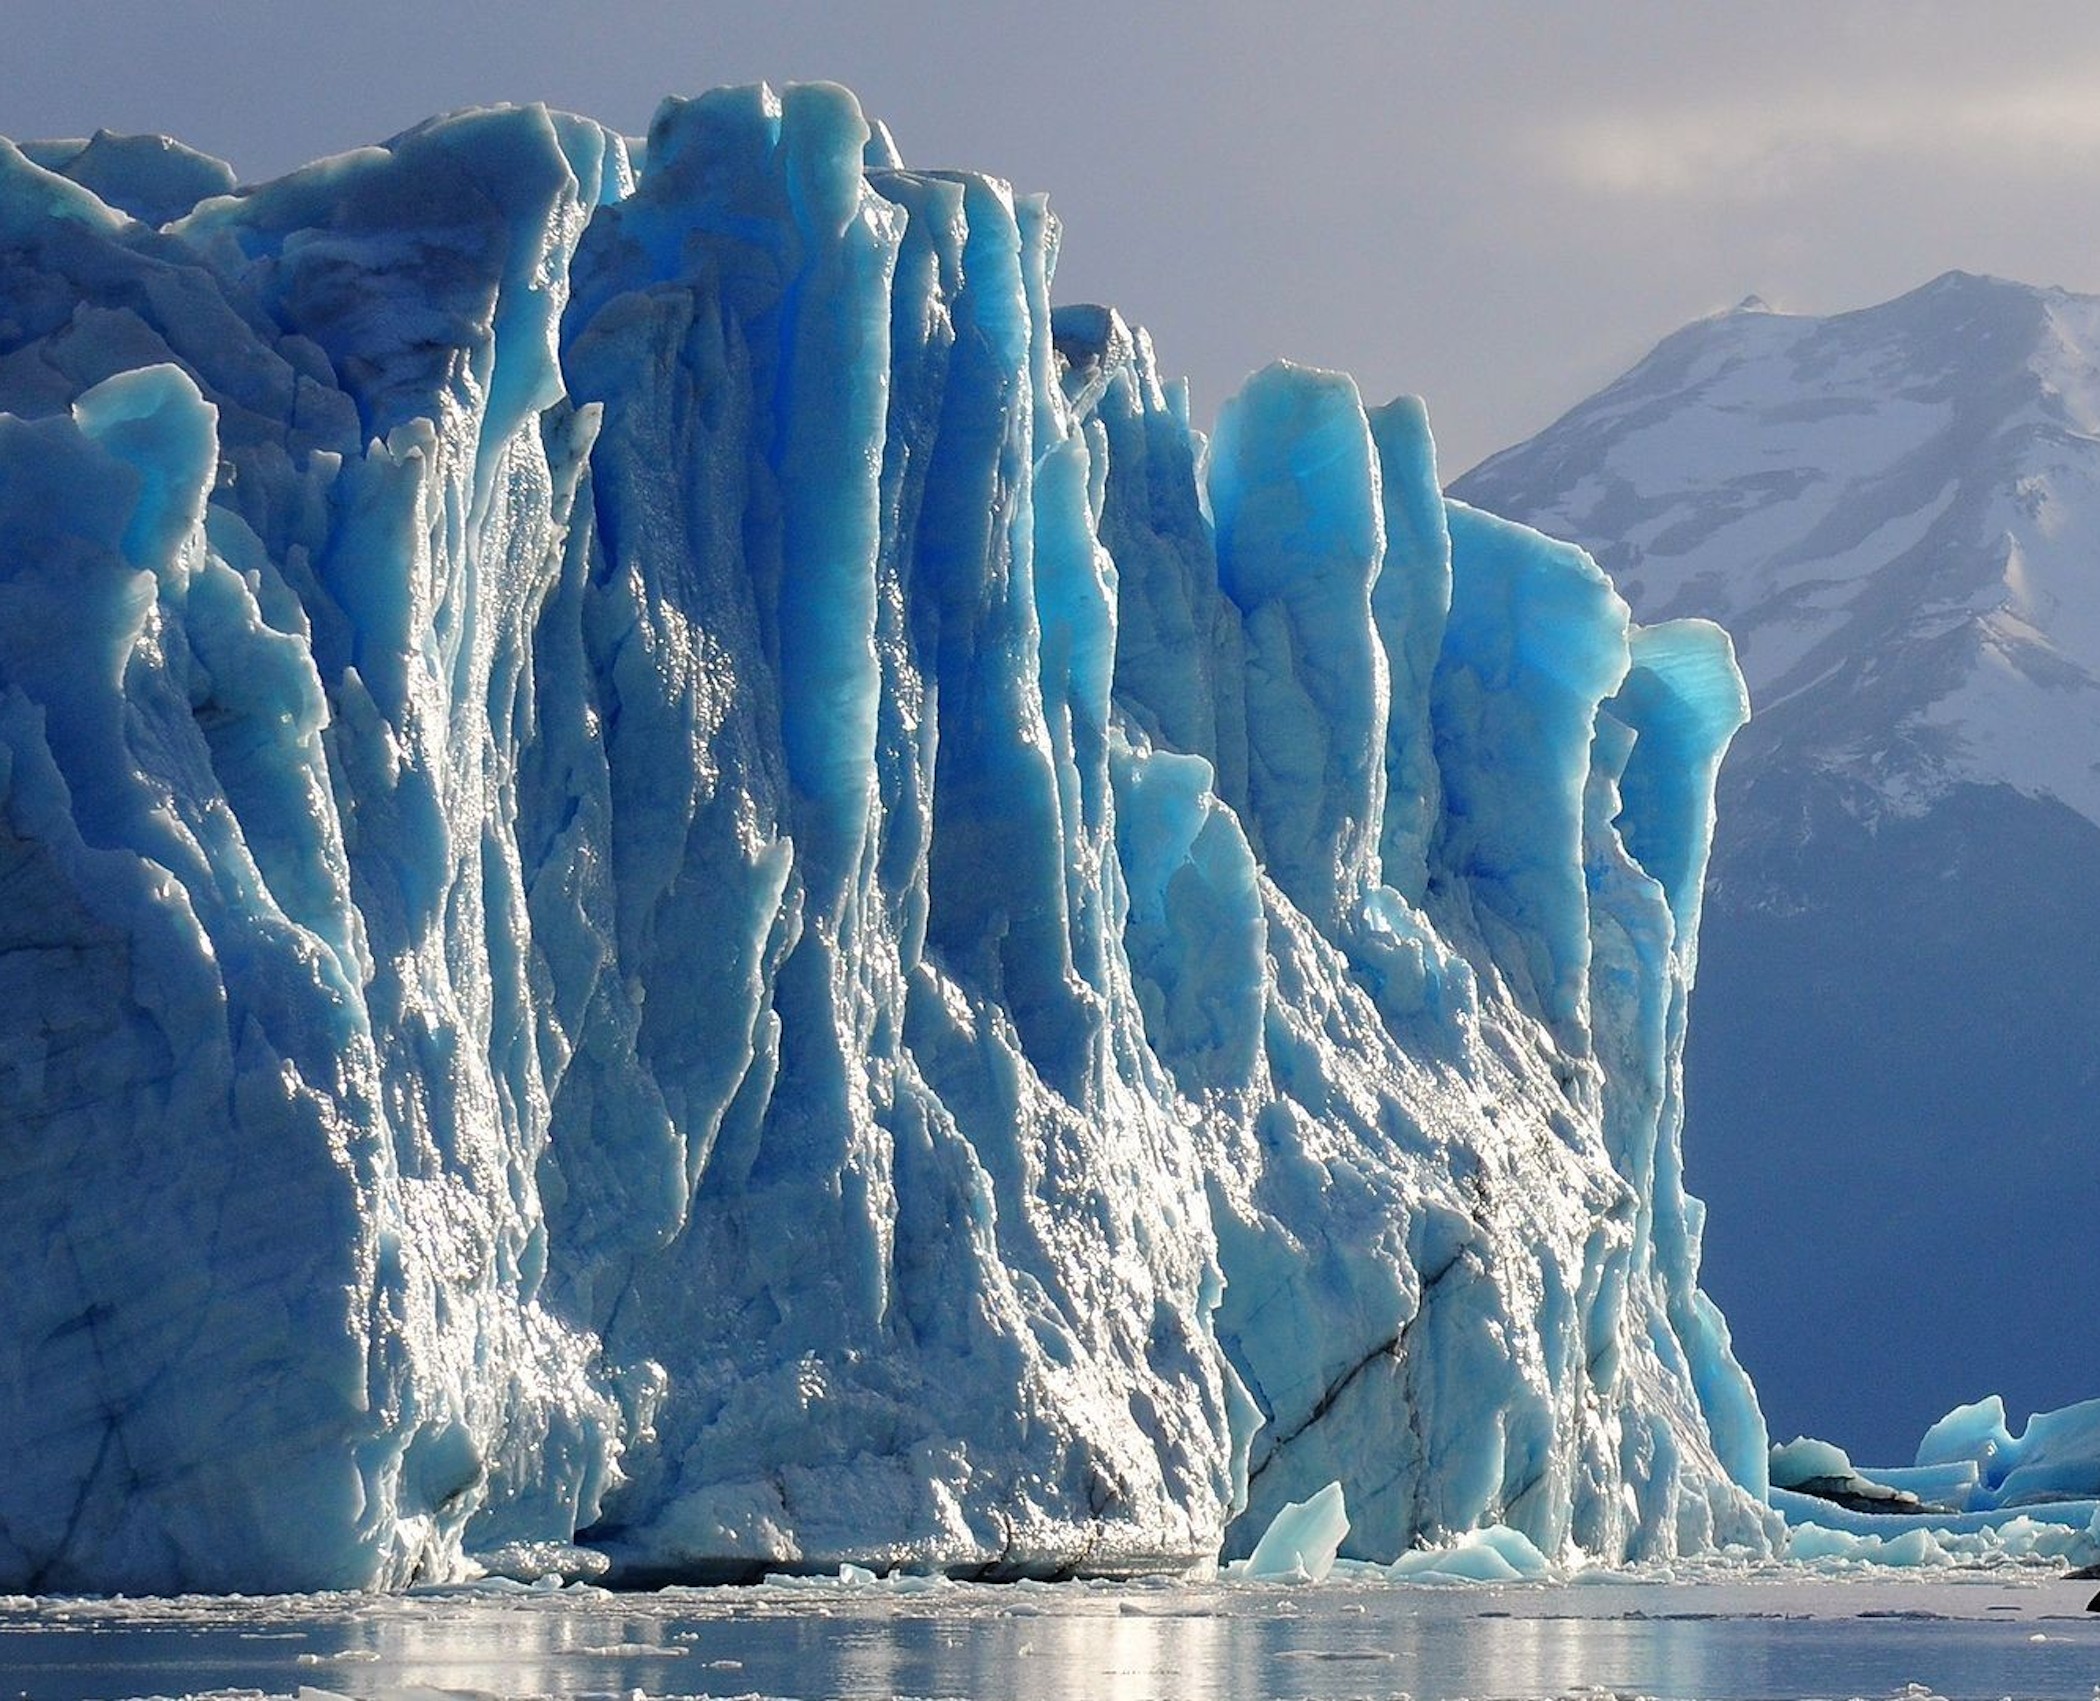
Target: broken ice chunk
1299 1544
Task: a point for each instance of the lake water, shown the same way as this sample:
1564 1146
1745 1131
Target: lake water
1734 1638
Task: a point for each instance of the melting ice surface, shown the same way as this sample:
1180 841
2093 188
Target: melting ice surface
684 889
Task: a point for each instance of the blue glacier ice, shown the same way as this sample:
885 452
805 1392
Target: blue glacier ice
1977 1492
1301 1542
1492 1554
688 888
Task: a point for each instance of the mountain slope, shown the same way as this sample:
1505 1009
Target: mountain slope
1896 514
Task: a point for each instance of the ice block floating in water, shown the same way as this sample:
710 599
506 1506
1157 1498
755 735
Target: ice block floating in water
1301 1542
1977 1494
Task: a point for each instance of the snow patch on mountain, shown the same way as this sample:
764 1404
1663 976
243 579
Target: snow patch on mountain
1892 512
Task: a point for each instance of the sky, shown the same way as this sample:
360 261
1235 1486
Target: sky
1497 206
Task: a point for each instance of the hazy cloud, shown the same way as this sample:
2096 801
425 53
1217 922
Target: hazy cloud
1755 148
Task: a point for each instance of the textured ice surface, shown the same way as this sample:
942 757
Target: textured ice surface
1496 1554
2056 1457
1896 514
681 877
1301 1541
1977 1492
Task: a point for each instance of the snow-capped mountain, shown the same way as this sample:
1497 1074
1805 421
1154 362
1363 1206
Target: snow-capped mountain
1896 1061
682 889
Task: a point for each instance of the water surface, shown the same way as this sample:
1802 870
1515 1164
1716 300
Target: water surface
1749 1637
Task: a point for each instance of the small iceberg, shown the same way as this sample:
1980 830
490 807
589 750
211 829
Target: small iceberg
1301 1541
1496 1554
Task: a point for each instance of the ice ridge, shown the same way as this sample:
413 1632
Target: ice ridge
687 886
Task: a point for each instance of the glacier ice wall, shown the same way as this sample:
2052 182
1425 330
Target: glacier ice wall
683 880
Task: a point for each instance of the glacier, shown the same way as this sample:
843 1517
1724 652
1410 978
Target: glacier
690 891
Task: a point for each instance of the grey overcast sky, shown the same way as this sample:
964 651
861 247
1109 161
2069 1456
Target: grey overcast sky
1497 205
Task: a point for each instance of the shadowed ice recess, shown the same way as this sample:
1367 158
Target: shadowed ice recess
689 892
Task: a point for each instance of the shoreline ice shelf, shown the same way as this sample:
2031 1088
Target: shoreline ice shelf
687 890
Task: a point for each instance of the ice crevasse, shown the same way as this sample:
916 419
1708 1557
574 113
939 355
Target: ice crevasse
684 887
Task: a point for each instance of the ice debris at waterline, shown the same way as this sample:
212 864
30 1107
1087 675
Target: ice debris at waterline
682 886
1976 1493
1495 1554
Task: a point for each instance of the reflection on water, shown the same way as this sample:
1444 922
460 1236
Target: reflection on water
1556 1656
1726 1640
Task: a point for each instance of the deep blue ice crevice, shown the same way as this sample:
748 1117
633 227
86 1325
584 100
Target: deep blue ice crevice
1410 603
831 401
930 1081
1295 499
1179 650
1536 640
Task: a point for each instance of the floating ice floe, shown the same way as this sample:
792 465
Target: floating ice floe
1300 1544
1496 1554
1976 1493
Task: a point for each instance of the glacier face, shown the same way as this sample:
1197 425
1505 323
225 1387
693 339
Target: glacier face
1894 513
688 886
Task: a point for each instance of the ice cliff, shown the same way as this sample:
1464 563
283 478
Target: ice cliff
682 883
